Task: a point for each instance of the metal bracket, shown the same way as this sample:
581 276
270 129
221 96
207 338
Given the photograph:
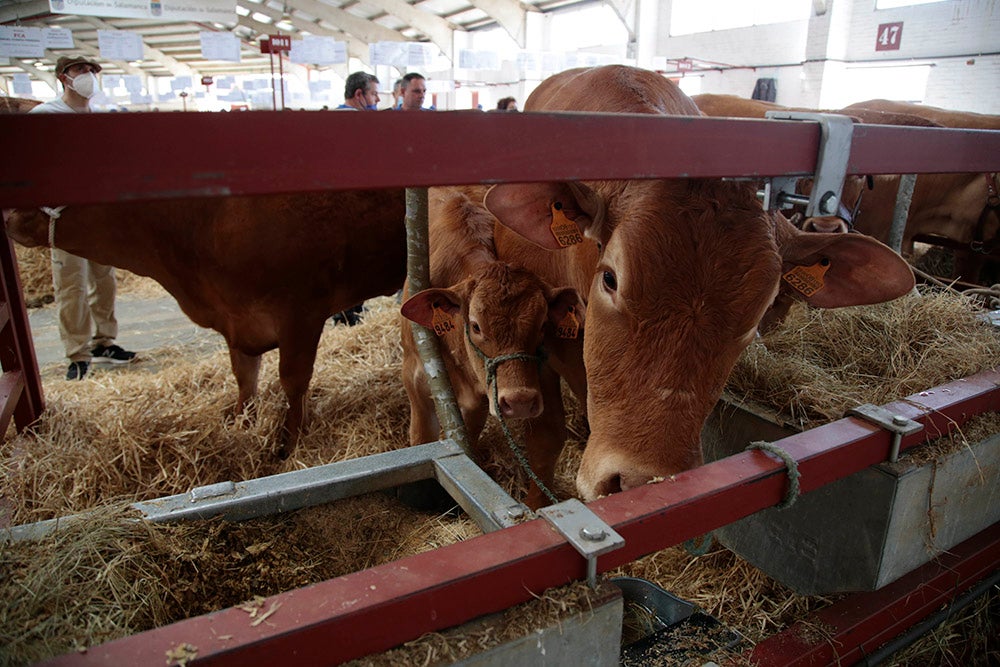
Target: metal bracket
586 531
836 132
897 424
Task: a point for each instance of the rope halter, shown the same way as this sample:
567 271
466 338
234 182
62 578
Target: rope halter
491 364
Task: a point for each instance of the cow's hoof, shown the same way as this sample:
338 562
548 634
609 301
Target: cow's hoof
426 496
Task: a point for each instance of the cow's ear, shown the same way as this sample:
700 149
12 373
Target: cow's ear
420 307
565 300
528 209
834 270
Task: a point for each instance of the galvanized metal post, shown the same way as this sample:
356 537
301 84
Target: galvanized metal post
902 210
418 275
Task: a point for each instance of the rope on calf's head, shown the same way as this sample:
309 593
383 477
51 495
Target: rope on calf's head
791 464
491 364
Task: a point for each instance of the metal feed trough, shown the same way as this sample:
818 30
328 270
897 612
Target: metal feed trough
375 609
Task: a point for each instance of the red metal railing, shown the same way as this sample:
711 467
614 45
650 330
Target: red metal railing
222 154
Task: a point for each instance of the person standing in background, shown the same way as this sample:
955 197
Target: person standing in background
507 104
84 290
360 92
414 91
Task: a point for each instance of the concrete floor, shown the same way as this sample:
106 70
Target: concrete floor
143 324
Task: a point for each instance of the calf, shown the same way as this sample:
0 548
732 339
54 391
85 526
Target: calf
265 272
496 323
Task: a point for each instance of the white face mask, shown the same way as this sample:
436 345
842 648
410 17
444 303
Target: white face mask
84 84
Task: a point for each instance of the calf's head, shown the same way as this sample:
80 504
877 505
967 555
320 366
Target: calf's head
687 271
503 315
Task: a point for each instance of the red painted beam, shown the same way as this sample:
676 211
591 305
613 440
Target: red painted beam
158 155
860 623
376 609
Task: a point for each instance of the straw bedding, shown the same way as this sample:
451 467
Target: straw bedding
160 428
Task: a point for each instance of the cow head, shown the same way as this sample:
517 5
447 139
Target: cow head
501 312
687 271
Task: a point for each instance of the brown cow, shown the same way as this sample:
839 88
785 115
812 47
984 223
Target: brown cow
17 104
686 272
960 211
489 310
264 272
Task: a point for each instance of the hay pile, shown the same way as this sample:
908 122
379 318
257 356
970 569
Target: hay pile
822 363
158 428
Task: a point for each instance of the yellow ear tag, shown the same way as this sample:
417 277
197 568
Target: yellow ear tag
808 279
569 327
442 322
563 229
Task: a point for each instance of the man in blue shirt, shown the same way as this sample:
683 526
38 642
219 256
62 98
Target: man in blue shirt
360 92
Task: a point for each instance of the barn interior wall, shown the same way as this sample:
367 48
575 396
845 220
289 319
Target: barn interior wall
830 59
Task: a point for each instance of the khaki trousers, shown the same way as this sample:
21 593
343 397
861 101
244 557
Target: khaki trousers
85 301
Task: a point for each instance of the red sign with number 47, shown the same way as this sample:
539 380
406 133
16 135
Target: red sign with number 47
889 36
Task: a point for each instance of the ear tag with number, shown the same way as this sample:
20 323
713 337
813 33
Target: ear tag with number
569 326
808 279
441 321
563 229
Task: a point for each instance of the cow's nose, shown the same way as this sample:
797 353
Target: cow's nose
520 404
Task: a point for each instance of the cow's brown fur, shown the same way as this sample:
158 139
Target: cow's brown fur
508 311
264 272
686 271
949 208
17 104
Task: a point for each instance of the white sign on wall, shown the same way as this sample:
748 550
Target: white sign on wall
20 42
219 11
220 46
119 45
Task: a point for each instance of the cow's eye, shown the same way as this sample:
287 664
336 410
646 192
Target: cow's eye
610 281
475 328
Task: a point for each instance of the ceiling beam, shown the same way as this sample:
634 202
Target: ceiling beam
627 11
365 30
440 31
43 75
149 53
510 14
355 47
23 10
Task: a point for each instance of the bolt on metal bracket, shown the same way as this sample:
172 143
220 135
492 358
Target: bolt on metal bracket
586 531
897 424
836 132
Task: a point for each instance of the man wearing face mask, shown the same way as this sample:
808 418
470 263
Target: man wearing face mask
360 92
84 290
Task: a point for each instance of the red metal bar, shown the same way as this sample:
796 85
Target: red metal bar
21 387
157 155
860 623
376 609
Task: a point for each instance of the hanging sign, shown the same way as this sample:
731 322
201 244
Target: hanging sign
218 11
119 45
219 46
20 42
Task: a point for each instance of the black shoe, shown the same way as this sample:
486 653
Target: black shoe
77 369
111 354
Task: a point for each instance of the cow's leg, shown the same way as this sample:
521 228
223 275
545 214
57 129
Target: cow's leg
544 439
297 354
246 368
424 426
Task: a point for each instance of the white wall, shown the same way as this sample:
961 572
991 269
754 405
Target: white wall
949 54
